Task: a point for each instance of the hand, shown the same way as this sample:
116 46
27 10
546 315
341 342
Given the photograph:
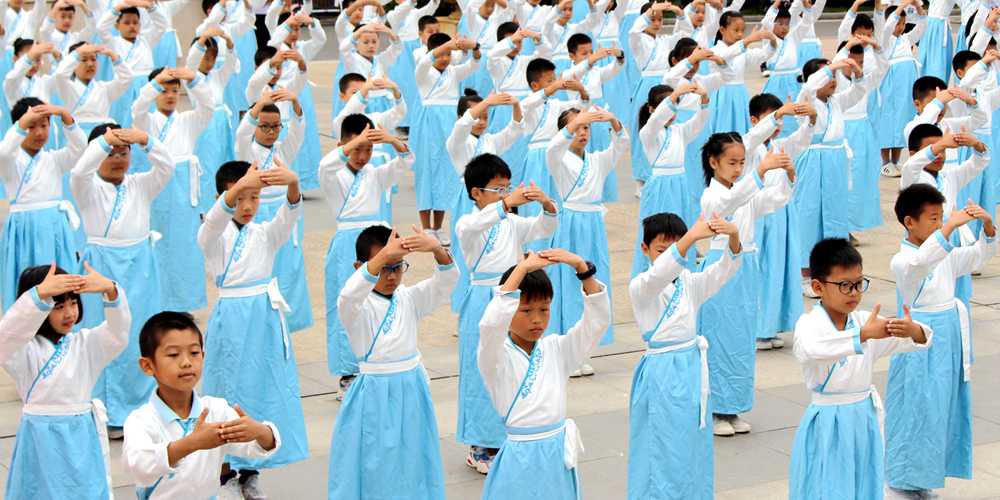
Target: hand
944 95
393 250
966 139
838 64
805 110
575 85
787 109
95 283
420 241
961 217
776 159
131 136
252 180
58 284
206 436
535 193
47 110
563 257
906 327
279 57
876 327
495 99
700 54
516 198
379 136
586 118
163 77
990 57
292 55
963 96
282 94
869 41
385 83
534 35
108 52
613 50
212 32
243 429
278 175
855 67
88 49
755 36
183 74
38 49
701 230
304 19
977 212
534 261
723 226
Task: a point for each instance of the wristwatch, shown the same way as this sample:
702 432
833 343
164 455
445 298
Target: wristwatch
477 46
591 270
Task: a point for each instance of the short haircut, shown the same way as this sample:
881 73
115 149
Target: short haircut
535 285
129 10
34 276
77 45
269 108
507 29
916 139
665 224
354 125
682 49
577 40
22 44
102 129
230 173
536 68
68 8
912 200
963 58
153 74
927 85
483 169
158 325
371 238
348 79
283 17
206 5
263 54
426 21
763 104
862 22
830 253
22 106
855 49
466 101
783 13
436 40
346 4
565 117
210 44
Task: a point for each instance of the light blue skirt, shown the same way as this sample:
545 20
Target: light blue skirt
178 258
435 179
694 172
245 363
837 453
532 470
820 192
306 162
500 118
928 423
6 66
807 51
215 146
641 167
730 111
936 49
57 456
781 276
402 72
165 54
863 197
33 238
600 140
632 72
385 440
584 234
661 194
290 269
982 188
122 386
121 110
479 423
535 170
897 107
463 206
730 321
669 456
340 259
246 48
782 86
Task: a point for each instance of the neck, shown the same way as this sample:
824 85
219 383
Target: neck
53 337
353 170
380 294
30 151
839 319
116 182
166 112
578 149
729 185
526 345
129 40
178 401
85 81
822 97
916 241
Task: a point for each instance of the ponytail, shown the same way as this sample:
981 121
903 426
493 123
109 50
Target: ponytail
724 20
811 66
716 145
465 102
684 48
656 95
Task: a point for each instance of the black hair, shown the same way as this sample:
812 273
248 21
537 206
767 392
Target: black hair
353 125
371 238
921 132
655 96
346 3
534 286
783 13
72 48
263 54
22 44
713 148
811 66
436 40
665 224
830 253
348 79
963 58
863 21
645 7
34 276
153 74
507 29
724 20
564 117
536 68
465 102
230 173
129 10
157 327
576 41
210 44
22 106
682 49
284 17
483 169
206 5
424 21
911 201
102 129
926 85
68 8
855 49
892 8
762 104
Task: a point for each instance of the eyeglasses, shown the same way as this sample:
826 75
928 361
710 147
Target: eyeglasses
271 128
846 286
398 268
782 25
501 192
120 156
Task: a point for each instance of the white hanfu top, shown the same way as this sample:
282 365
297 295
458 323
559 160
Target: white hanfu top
355 197
138 55
91 102
33 179
463 146
491 239
285 150
580 181
182 128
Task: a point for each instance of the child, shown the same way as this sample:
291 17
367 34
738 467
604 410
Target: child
975 77
482 16
270 70
40 226
89 99
518 365
238 27
811 47
896 108
175 443
257 139
935 58
353 187
56 27
115 208
409 30
558 31
490 239
928 146
359 53
174 213
838 446
863 25
784 66
732 100
438 84
354 13
18 23
25 80
704 19
579 176
595 77
248 348
928 425
731 319
670 386
531 15
61 449
381 315
137 47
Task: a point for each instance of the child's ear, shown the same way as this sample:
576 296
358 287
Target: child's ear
754 121
817 287
917 104
908 222
645 248
343 98
147 367
960 73
476 194
357 265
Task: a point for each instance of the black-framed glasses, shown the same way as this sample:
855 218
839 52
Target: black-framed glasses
271 128
398 268
501 192
846 286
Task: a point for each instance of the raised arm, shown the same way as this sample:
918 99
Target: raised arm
493 330
156 178
81 180
157 27
647 286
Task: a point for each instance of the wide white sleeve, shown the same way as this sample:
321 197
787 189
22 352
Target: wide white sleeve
690 129
973 258
257 82
922 262
493 328
12 82
271 20
881 348
811 347
157 27
392 117
799 141
20 324
391 173
472 225
153 181
10 146
581 340
144 459
388 57
815 82
109 339
140 107
725 202
708 282
214 226
317 39
776 193
289 147
76 143
554 154
649 133
280 228
606 159
81 180
244 138
914 165
844 30
205 109
354 106
760 132
504 139
104 25
648 285
918 31
123 80
456 141
530 229
968 170
430 294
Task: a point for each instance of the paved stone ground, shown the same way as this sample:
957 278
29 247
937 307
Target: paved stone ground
753 466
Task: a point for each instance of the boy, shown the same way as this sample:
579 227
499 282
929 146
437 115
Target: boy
838 346
480 17
137 47
359 53
559 30
381 315
24 80
115 208
527 374
491 239
175 442
928 147
174 213
928 425
248 349
56 27
411 31
20 23
594 77
353 187
271 67
938 46
76 82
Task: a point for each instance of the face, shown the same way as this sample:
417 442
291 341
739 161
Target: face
583 51
487 9
656 247
429 30
64 20
357 16
531 319
729 165
167 100
484 198
480 127
129 26
864 32
754 120
831 87
938 164
352 88
567 15
277 75
87 68
900 26
207 63
367 45
835 300
782 26
116 165
735 31
38 134
387 283
64 315
547 78
699 16
246 205
442 62
655 23
293 36
582 133
360 156
931 219
16 4
922 103
268 128
858 58
517 48
177 362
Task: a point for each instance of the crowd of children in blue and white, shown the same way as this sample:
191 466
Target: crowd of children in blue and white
119 202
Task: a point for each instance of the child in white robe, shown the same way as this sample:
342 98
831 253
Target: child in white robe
134 45
26 80
76 83
359 54
56 27
482 19
271 68
558 30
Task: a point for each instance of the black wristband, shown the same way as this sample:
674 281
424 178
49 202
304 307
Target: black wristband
591 270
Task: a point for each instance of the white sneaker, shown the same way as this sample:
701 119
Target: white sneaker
432 233
763 345
479 462
586 370
807 288
115 432
891 170
252 489
638 192
721 426
576 373
776 342
443 236
928 494
895 494
232 490
739 425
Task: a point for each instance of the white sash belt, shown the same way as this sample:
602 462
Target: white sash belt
902 59
64 205
100 414
668 170
963 319
584 207
405 365
225 108
847 151
360 224
654 72
543 143
274 296
572 446
439 102
120 243
487 282
718 243
855 116
194 177
703 347
847 398
790 71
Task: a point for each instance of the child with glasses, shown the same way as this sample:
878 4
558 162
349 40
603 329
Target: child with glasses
838 445
784 65
386 422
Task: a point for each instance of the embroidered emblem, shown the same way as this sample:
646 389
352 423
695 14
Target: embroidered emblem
534 365
57 357
675 299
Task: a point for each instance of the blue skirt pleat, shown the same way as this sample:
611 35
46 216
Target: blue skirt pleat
306 162
165 54
669 456
289 268
807 51
57 456
837 453
121 110
435 179
632 72
730 109
535 170
246 48
641 167
863 197
820 191
662 194
584 234
463 206
178 257
33 238
402 72
780 300
386 429
936 49
245 364
479 423
340 259
897 107
532 470
215 146
782 86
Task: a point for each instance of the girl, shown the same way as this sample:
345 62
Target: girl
897 101
729 320
729 112
61 450
784 66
